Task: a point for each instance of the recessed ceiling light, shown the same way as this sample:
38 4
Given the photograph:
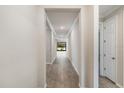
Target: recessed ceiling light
62 27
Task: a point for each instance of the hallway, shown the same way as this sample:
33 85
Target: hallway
61 74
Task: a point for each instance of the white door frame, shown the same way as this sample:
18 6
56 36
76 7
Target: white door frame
123 46
96 47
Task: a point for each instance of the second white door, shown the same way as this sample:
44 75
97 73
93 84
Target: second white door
109 48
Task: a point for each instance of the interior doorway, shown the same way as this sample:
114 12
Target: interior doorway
107 53
108 40
110 48
62 70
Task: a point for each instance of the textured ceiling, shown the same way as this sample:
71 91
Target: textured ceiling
105 10
62 20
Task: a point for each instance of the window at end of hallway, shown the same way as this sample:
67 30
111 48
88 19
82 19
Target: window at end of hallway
61 46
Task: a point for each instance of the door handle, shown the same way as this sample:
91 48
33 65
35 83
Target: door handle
113 58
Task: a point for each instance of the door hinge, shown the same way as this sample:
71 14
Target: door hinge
104 68
104 55
104 41
113 58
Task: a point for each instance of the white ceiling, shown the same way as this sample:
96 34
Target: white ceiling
62 19
105 10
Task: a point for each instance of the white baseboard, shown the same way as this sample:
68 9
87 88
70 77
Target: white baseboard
52 61
49 63
69 58
77 73
120 86
79 85
75 68
45 86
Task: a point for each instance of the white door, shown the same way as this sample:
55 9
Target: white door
109 48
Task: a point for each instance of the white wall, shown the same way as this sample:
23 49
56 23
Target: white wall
48 44
51 44
54 46
53 41
69 49
89 46
22 50
75 46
